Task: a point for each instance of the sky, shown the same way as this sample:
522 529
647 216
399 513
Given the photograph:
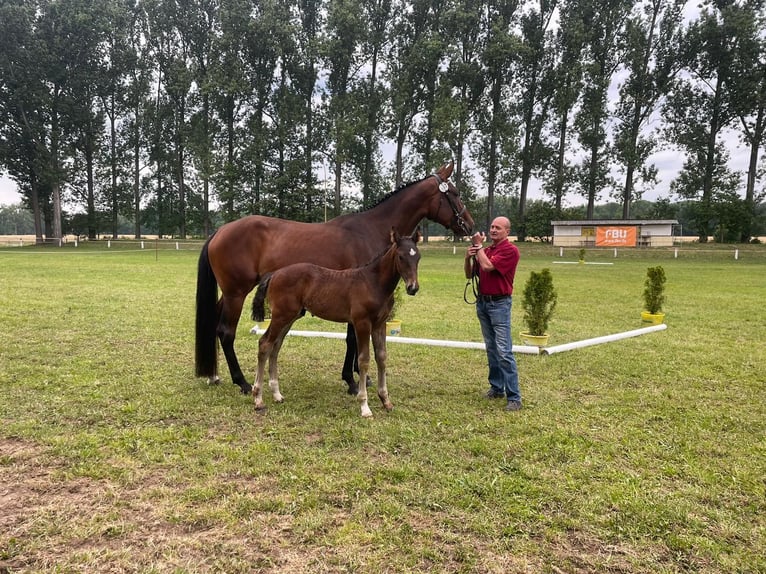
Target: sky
668 162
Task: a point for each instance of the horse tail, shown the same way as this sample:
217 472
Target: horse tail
259 300
206 345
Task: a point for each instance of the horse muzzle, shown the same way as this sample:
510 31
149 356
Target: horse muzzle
412 288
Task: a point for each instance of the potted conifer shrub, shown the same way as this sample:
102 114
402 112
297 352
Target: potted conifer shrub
654 295
393 323
538 301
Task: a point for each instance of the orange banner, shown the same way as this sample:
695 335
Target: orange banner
616 236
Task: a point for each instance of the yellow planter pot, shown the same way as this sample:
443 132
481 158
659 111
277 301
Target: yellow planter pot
653 318
393 328
534 340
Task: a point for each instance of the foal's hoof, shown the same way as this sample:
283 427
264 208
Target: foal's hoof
214 380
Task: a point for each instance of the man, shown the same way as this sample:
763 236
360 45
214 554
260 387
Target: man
495 266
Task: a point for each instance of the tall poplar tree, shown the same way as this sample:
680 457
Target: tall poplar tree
567 83
652 44
535 80
603 20
700 108
340 49
496 145
748 88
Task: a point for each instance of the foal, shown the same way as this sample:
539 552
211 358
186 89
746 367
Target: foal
362 296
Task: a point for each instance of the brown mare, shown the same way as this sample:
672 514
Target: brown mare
237 255
362 297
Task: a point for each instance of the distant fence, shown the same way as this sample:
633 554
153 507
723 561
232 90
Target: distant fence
71 241
684 251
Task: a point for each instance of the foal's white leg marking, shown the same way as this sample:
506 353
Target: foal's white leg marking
274 386
263 353
361 395
214 380
379 343
364 366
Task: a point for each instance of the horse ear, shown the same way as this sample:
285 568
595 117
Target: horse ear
417 236
394 235
445 171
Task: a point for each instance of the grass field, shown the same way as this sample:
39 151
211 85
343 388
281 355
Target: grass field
638 456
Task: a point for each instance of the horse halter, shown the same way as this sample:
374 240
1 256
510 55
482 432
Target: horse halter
457 215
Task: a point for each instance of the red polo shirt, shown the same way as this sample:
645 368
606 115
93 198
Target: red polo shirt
504 257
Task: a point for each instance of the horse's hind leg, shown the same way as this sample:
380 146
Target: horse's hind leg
351 363
265 346
230 310
379 344
274 367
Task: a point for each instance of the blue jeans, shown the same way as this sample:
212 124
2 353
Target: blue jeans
495 320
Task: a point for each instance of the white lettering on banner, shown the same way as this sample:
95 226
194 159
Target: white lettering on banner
616 234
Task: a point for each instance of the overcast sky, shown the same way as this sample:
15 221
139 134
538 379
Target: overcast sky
668 162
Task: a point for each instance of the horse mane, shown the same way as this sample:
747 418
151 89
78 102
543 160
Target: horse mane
390 194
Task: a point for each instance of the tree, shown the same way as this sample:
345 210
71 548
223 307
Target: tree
230 101
341 60
652 44
748 87
496 146
413 59
535 79
567 79
603 21
462 85
375 21
137 101
15 220
33 76
204 28
699 109
538 220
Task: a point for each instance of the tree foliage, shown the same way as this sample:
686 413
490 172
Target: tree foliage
178 115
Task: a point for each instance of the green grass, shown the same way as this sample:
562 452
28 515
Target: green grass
642 455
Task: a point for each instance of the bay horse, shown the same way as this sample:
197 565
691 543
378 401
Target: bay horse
237 255
361 296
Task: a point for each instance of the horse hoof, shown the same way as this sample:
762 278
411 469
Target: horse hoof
246 389
214 381
388 406
353 390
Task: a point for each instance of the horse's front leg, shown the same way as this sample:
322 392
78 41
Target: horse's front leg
379 344
363 342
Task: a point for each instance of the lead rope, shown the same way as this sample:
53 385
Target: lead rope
473 282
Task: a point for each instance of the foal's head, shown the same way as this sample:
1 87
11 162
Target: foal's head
407 259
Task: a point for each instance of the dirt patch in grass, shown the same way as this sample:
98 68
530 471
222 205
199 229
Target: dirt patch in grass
49 522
